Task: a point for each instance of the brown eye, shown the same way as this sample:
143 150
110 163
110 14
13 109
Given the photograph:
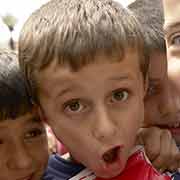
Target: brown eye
151 90
34 133
120 95
154 88
73 106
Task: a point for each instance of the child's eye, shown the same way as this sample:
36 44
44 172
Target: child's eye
36 132
74 106
153 89
120 95
175 40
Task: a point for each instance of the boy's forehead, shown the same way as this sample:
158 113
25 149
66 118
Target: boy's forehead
98 59
58 77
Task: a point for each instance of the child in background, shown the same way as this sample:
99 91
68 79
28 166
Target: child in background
172 29
161 105
23 141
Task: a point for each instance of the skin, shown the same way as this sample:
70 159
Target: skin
161 105
172 36
96 111
157 92
23 148
161 110
174 76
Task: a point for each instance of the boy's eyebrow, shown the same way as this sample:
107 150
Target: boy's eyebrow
116 78
167 27
120 78
66 90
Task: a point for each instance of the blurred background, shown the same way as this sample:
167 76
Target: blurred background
13 14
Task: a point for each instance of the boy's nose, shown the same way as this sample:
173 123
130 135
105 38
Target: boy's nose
104 127
20 159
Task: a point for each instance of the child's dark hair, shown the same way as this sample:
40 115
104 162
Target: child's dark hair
14 100
73 32
150 15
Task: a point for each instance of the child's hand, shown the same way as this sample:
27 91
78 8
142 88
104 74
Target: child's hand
160 148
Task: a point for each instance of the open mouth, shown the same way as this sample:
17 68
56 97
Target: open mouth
111 155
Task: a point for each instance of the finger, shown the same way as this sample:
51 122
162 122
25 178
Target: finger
151 139
175 156
164 159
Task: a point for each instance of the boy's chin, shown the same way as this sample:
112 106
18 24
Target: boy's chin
109 174
111 170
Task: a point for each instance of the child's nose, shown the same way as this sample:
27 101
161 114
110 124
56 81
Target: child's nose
104 126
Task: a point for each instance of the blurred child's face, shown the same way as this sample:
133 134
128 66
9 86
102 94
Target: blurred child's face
23 149
174 80
97 111
161 106
172 36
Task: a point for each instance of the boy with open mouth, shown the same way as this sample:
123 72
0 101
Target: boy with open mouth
86 67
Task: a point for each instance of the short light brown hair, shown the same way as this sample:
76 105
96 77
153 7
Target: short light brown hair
150 15
74 32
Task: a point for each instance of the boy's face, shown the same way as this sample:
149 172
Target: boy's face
162 104
97 111
23 149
